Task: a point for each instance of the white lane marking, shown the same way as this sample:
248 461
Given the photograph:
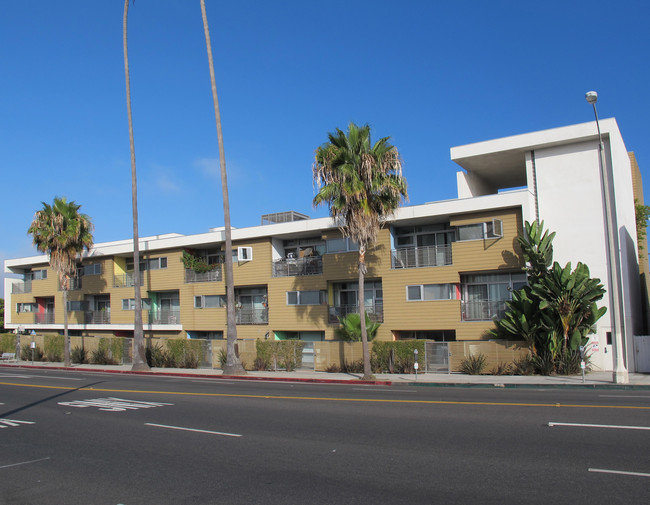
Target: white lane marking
614 426
113 404
624 396
22 376
619 472
4 423
370 388
25 462
192 429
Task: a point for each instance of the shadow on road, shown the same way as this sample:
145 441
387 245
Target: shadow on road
33 404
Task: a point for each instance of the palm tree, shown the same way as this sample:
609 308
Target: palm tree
362 184
139 357
60 231
233 366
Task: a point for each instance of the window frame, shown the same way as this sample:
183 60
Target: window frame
201 301
322 297
422 291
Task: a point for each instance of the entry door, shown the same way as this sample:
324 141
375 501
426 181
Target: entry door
168 312
642 358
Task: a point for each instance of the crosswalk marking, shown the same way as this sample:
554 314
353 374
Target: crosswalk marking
113 404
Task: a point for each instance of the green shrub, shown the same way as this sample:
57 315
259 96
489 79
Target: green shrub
473 365
352 367
79 355
26 353
54 347
223 357
524 366
155 355
333 368
183 353
568 363
8 342
544 363
396 356
260 364
285 354
101 357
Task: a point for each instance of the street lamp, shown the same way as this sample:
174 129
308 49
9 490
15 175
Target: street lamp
620 375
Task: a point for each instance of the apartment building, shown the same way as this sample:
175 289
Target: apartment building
441 271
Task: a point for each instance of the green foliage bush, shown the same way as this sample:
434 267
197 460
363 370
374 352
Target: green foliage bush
396 356
26 353
79 355
524 366
276 354
350 330
53 347
179 353
473 365
100 356
7 342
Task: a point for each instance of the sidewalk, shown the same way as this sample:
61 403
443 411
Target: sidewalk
592 380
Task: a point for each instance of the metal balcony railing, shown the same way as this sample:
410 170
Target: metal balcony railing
126 280
44 317
249 315
97 317
311 265
19 288
375 311
168 316
416 257
211 276
482 310
75 284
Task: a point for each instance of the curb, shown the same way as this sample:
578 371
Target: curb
528 386
205 376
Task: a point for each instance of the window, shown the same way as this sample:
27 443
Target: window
306 297
244 253
479 231
77 306
129 304
304 247
209 301
340 245
148 264
425 292
95 269
484 295
36 275
25 307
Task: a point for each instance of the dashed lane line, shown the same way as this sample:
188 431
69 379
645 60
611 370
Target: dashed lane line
181 428
335 399
619 472
611 426
24 463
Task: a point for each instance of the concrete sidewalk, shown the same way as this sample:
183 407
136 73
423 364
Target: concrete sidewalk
592 380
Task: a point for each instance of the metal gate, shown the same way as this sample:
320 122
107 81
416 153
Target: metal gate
642 353
308 356
436 355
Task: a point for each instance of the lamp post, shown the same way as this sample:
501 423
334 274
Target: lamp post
619 375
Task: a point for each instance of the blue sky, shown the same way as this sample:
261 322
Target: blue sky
431 75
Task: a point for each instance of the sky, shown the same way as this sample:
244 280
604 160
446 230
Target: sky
429 74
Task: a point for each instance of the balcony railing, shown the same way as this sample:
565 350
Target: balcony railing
415 257
249 315
211 276
75 283
98 317
168 316
21 287
375 311
44 317
311 265
483 310
126 280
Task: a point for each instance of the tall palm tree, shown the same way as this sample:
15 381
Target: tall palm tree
233 366
60 231
139 356
362 184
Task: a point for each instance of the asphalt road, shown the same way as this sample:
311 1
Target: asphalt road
92 438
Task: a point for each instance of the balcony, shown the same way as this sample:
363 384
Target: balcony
291 267
75 284
249 315
416 257
168 316
210 276
483 310
44 317
375 311
20 288
126 280
97 317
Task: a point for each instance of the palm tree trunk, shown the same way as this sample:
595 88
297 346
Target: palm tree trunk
139 358
367 372
233 366
66 336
